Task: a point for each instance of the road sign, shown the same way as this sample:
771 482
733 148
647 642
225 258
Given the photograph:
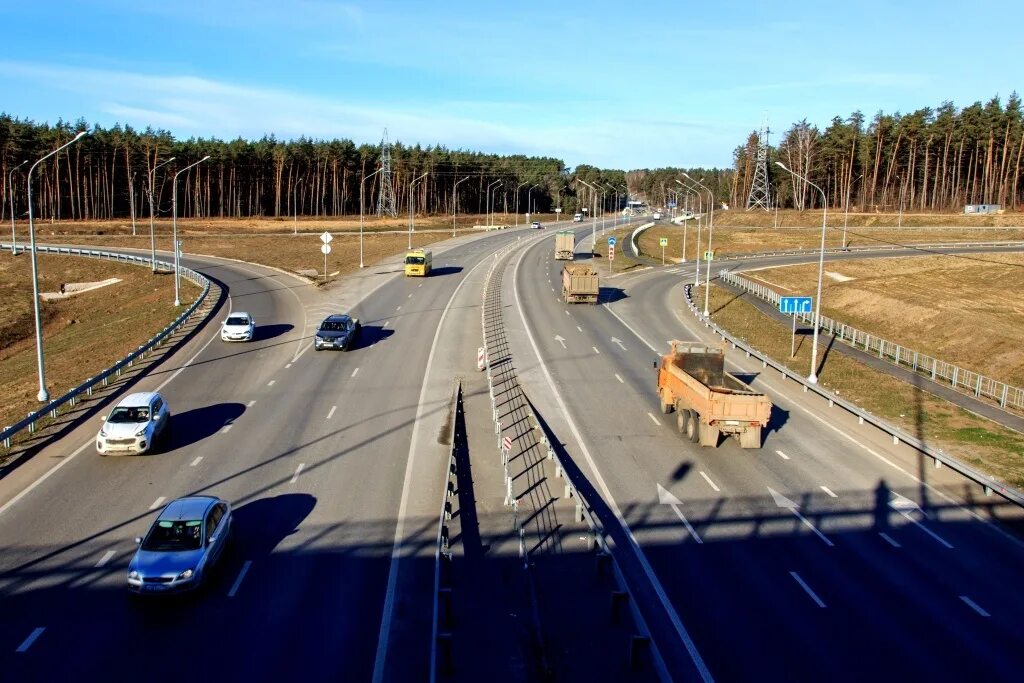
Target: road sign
506 443
325 249
558 209
326 238
709 255
795 304
611 252
671 205
612 241
663 241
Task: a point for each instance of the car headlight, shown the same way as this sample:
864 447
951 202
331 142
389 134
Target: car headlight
187 574
141 430
103 434
133 574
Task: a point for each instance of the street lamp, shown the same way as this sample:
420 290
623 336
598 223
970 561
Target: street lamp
295 205
152 235
518 187
899 224
174 224
711 233
455 202
412 210
700 212
593 217
361 183
846 215
529 195
43 395
10 192
487 208
813 377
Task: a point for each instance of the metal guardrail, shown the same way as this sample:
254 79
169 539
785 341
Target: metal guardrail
52 408
988 482
939 246
961 379
636 233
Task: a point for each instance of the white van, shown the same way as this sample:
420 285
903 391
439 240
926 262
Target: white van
577 218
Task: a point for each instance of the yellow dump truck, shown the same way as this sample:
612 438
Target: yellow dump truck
565 245
579 284
708 400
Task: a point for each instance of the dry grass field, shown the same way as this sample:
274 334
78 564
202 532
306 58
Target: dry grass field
964 309
84 334
988 446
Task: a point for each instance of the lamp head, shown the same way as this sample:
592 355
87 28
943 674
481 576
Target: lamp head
205 158
781 165
81 133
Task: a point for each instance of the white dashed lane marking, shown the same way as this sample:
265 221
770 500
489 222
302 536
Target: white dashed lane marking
198 460
330 413
829 492
27 643
106 558
157 503
710 483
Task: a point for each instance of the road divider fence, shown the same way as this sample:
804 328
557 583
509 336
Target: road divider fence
52 409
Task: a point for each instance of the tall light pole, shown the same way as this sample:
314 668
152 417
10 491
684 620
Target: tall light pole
488 198
43 395
518 187
529 196
174 226
455 202
131 200
412 210
10 193
361 184
711 233
813 377
700 211
899 225
295 205
593 221
846 215
152 234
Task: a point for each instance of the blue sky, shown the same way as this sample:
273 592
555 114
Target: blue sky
614 84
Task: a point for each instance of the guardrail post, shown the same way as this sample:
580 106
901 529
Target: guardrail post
938 463
619 600
639 646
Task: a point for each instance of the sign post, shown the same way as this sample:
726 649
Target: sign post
664 243
325 249
611 252
794 305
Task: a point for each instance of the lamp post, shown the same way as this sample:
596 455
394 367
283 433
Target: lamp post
529 195
295 205
412 210
846 215
174 224
593 221
455 202
152 234
43 395
487 208
813 377
711 234
10 193
518 187
131 200
700 211
361 184
899 224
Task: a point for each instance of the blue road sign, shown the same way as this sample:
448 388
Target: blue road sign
795 304
612 241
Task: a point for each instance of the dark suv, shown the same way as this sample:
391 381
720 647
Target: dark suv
337 332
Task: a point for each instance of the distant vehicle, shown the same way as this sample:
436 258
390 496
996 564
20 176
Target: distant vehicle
182 547
134 425
579 283
418 262
238 327
577 218
337 332
656 216
536 225
565 245
708 400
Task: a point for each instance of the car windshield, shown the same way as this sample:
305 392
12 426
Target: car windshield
414 260
126 415
332 326
237 320
174 536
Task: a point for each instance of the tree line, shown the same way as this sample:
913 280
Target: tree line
928 160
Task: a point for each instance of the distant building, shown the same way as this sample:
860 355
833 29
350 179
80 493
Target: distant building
982 208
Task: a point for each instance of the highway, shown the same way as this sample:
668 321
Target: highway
829 553
325 457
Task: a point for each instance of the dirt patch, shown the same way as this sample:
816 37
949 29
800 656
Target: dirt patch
84 334
988 446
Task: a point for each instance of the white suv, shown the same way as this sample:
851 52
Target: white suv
134 425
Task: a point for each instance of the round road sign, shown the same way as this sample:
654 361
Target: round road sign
325 249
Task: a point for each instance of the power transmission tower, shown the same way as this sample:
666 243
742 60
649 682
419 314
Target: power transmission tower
759 195
386 201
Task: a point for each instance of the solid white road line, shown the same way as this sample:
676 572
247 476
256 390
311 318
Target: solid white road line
388 612
619 378
198 460
106 558
250 404
686 523
330 413
710 483
238 581
157 503
782 455
973 605
271 383
807 588
889 539
928 531
27 643
355 372
227 428
829 492
298 471
654 419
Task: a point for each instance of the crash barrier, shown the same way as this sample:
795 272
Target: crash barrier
987 482
496 351
52 409
636 233
961 379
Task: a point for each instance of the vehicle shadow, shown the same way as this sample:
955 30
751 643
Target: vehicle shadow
611 294
260 525
445 270
264 332
370 335
778 418
192 426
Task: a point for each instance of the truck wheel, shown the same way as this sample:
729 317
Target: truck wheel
751 438
682 420
693 427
